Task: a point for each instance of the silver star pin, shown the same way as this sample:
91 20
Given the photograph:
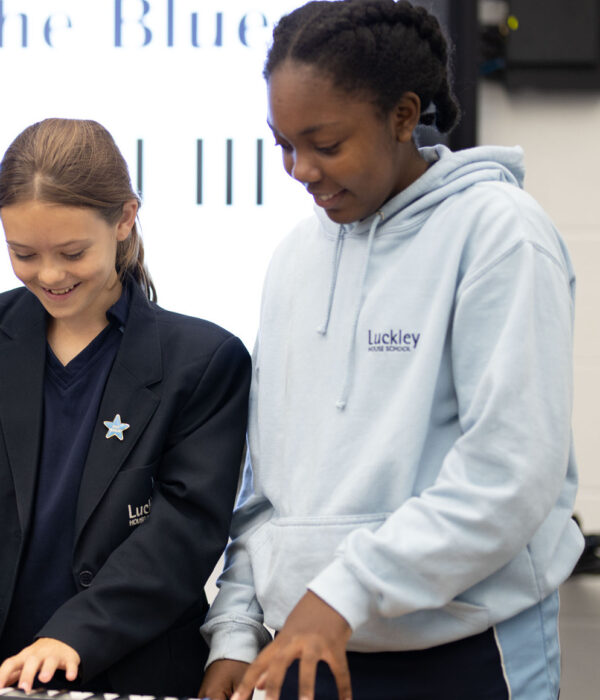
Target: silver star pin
115 427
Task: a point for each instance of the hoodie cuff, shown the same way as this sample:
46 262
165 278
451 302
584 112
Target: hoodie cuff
239 641
340 589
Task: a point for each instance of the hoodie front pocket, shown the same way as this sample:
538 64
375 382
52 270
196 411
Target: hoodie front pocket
287 553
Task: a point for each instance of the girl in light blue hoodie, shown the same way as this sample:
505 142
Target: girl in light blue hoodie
405 515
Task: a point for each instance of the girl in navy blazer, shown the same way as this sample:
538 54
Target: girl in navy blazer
121 432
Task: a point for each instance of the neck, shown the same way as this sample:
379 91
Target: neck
69 336
417 167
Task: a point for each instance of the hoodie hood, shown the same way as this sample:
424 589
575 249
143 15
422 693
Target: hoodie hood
448 173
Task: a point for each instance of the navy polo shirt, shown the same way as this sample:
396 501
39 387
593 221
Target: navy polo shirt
72 396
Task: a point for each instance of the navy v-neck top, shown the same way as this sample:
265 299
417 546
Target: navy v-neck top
72 395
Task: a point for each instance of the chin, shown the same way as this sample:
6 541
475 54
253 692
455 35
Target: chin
340 217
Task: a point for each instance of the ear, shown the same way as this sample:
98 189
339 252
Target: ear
127 220
406 116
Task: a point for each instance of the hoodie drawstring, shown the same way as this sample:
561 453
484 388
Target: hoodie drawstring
341 402
337 254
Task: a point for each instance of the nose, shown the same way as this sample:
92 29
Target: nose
51 274
303 168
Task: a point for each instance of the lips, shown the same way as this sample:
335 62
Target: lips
325 199
60 292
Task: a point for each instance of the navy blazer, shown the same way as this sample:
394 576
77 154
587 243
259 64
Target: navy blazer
182 384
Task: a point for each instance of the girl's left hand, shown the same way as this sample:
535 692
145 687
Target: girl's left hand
42 658
313 632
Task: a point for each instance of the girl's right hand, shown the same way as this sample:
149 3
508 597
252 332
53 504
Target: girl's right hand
221 679
314 631
40 659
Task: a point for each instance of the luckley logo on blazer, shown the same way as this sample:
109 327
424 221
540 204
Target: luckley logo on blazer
392 340
137 514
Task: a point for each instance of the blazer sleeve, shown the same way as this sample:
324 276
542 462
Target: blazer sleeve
159 571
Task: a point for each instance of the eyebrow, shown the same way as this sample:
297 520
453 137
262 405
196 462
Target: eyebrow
308 130
75 241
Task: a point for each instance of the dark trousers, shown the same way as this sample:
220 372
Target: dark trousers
468 669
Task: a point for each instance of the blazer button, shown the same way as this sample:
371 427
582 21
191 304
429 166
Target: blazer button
85 578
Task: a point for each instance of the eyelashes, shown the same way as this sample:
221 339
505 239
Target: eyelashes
283 145
329 150
24 257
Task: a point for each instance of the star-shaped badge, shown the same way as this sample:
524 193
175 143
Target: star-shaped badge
115 427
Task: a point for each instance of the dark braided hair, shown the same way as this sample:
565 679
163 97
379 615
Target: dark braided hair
382 48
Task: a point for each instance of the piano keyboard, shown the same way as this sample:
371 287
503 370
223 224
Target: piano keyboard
44 694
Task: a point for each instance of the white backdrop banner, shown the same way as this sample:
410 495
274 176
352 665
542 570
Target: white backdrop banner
179 85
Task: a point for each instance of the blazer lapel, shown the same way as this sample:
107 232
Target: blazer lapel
23 355
136 367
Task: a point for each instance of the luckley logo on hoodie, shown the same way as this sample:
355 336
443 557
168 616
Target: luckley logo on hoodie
392 340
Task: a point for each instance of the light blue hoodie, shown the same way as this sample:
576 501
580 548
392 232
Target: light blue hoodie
411 456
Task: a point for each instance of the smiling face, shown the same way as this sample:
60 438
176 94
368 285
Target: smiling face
66 257
350 158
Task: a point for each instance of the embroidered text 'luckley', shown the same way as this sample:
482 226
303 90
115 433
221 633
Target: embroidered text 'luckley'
392 340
